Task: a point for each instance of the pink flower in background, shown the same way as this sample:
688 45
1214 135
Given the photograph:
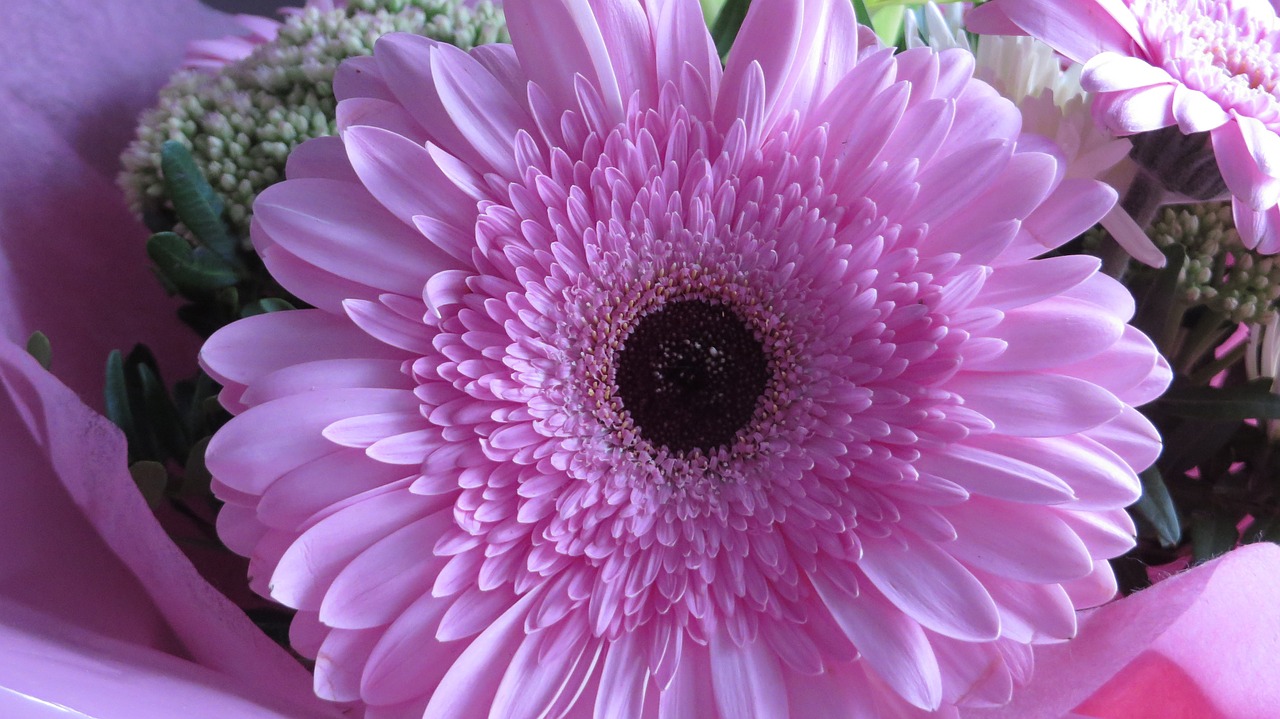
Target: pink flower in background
216 53
1203 65
645 388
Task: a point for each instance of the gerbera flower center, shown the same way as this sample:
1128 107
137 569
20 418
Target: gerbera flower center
690 374
1214 49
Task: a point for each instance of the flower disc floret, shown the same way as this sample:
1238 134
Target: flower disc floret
823 251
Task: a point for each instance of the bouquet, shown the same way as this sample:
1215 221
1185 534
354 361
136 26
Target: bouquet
641 358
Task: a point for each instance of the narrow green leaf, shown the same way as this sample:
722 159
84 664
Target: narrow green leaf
151 478
195 273
1156 508
116 398
196 481
1155 315
38 347
194 200
728 22
1250 401
860 11
1212 535
265 305
161 418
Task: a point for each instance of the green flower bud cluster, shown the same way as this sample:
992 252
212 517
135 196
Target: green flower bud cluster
1220 272
241 122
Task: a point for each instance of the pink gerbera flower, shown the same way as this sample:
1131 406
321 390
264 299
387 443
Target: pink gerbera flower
1203 65
639 387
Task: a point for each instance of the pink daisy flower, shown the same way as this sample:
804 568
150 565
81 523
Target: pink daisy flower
639 387
1203 65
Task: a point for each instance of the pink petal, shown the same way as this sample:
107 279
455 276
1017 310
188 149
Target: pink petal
480 106
1078 29
1258 230
1249 158
337 232
471 683
1132 238
931 587
1132 111
1029 282
244 351
1111 71
1033 333
55 671
1197 644
406 180
249 454
681 36
1035 405
1046 551
557 40
747 679
893 644
72 518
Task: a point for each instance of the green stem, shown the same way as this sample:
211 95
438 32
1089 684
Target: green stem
1211 370
1203 337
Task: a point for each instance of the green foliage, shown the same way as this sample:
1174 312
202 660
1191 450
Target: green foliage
38 347
1156 508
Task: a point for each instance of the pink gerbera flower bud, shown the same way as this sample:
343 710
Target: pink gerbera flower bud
1203 65
639 387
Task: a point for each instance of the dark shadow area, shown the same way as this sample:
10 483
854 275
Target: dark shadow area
255 7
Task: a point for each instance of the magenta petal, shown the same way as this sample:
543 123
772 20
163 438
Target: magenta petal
1133 111
1078 29
1249 159
893 645
1112 71
54 671
1199 644
76 75
73 518
1036 405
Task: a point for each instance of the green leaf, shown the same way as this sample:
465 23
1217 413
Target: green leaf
1156 508
1191 444
860 11
1157 315
887 22
1212 535
194 201
1250 401
265 305
161 417
195 273
1263 530
728 22
196 481
38 347
116 398
151 478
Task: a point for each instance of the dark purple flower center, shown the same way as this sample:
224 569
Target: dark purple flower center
690 375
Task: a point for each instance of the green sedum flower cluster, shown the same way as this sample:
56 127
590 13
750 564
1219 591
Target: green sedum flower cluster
1220 272
241 122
